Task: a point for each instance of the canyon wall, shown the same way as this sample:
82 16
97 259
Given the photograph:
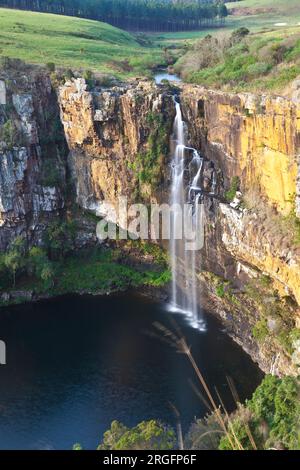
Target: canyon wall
32 155
118 141
256 138
256 234
65 152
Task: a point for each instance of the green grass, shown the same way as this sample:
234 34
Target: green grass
73 43
99 272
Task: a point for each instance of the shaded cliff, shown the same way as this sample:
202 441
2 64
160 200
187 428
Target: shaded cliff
33 155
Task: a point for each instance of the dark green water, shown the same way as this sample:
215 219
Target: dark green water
76 363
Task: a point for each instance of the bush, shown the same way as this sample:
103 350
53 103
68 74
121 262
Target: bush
239 34
204 434
39 265
276 401
260 330
260 68
234 187
147 164
59 239
272 416
89 78
50 174
147 435
14 259
68 75
220 290
10 134
50 66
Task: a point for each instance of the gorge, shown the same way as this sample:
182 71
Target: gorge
78 145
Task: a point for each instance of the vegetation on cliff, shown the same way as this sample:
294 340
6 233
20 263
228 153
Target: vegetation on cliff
272 415
148 165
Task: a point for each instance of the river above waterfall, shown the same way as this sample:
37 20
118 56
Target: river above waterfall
76 363
164 75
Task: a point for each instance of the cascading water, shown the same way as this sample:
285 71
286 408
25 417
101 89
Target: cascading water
186 195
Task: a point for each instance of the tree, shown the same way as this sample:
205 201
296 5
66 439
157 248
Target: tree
60 238
147 435
39 265
14 259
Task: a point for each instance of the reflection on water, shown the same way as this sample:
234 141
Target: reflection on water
75 363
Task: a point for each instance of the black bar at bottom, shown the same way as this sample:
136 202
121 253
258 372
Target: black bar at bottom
136 459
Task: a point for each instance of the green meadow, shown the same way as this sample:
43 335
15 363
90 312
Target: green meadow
261 15
71 42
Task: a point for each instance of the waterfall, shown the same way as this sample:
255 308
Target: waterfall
186 193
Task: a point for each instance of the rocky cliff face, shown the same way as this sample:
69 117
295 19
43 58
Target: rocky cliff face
257 140
32 156
113 136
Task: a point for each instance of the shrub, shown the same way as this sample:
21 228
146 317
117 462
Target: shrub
220 290
260 68
50 174
147 435
50 66
59 239
234 187
147 164
14 259
39 265
68 74
239 34
276 401
89 78
10 134
260 330
204 434
272 416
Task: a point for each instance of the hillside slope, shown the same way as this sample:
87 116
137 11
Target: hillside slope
243 61
72 42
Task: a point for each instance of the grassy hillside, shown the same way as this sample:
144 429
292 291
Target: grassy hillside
73 42
266 61
256 15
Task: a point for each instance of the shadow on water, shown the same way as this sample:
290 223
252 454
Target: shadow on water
75 363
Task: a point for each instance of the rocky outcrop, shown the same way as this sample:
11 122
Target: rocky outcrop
256 138
29 152
107 132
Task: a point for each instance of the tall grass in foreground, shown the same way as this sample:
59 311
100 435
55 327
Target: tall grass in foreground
223 418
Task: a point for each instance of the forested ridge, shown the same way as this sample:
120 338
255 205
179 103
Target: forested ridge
139 15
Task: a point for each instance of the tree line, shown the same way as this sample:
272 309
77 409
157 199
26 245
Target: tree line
134 15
